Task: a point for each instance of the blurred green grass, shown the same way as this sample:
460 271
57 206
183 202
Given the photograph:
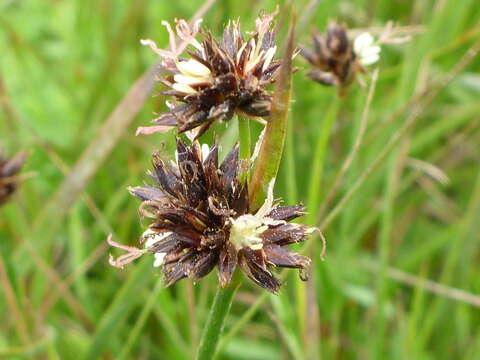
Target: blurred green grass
64 67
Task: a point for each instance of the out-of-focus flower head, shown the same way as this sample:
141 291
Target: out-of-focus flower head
9 169
200 219
335 60
216 79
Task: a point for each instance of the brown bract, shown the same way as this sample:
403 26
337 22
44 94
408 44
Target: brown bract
200 220
218 78
9 169
333 60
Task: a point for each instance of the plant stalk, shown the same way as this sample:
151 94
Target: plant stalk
216 319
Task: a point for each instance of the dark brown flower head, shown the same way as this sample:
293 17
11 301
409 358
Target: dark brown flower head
200 219
336 60
218 78
9 169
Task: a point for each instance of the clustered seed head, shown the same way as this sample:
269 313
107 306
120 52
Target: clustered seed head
336 60
9 169
219 78
200 219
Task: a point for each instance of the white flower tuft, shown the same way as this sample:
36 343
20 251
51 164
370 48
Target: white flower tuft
366 49
246 229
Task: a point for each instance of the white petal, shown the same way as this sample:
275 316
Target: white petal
189 80
184 88
370 59
159 257
152 237
372 50
205 151
362 41
149 235
193 68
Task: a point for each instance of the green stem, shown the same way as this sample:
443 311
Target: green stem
319 161
216 318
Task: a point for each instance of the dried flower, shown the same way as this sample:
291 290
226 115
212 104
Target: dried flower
219 78
335 61
9 169
200 219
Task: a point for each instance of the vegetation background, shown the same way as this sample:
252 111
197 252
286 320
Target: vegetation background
401 275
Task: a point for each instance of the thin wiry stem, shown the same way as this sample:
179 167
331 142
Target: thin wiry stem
356 146
216 319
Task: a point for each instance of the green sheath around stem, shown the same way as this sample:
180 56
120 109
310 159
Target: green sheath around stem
271 150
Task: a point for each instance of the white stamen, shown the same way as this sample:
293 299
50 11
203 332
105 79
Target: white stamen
193 68
245 232
184 88
246 229
190 80
159 259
